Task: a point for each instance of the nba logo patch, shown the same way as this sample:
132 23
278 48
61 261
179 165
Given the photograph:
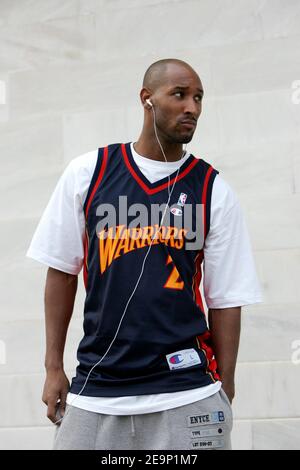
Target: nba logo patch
182 199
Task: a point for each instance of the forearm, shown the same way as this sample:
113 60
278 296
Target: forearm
225 326
60 292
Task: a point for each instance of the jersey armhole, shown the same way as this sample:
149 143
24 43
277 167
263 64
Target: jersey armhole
206 197
96 178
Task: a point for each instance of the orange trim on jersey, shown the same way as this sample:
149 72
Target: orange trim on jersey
99 179
148 190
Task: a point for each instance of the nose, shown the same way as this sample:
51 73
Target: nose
192 107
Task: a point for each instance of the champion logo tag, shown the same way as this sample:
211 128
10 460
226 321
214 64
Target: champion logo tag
176 359
184 358
176 211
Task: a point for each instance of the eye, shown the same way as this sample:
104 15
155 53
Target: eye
181 93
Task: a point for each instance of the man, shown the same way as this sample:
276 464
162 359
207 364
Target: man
151 375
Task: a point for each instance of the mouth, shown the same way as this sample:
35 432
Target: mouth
188 123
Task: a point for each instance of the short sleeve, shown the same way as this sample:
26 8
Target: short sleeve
58 240
230 277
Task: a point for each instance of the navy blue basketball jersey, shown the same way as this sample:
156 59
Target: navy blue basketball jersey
163 343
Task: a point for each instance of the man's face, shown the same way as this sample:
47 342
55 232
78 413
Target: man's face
178 104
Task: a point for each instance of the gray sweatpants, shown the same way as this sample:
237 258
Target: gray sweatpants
205 424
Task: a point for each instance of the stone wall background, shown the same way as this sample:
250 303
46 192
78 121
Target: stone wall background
70 73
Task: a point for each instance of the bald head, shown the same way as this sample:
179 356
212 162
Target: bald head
158 73
175 91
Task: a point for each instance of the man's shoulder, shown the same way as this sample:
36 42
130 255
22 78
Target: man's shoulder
221 187
223 194
88 159
84 160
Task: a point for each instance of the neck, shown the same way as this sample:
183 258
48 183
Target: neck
148 146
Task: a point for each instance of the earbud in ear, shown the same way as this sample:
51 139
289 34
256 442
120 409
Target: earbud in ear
149 102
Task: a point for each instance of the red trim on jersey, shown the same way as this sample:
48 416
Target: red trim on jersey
86 242
99 179
85 265
197 279
151 191
204 197
205 342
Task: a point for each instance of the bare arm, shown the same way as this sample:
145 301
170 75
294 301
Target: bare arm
225 326
60 293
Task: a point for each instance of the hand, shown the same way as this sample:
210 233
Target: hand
229 389
55 393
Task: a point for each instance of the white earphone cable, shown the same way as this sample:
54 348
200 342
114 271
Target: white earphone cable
141 273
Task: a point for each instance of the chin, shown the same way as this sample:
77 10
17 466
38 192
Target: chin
181 138
186 139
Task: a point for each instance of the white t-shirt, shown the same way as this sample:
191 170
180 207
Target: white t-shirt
229 274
